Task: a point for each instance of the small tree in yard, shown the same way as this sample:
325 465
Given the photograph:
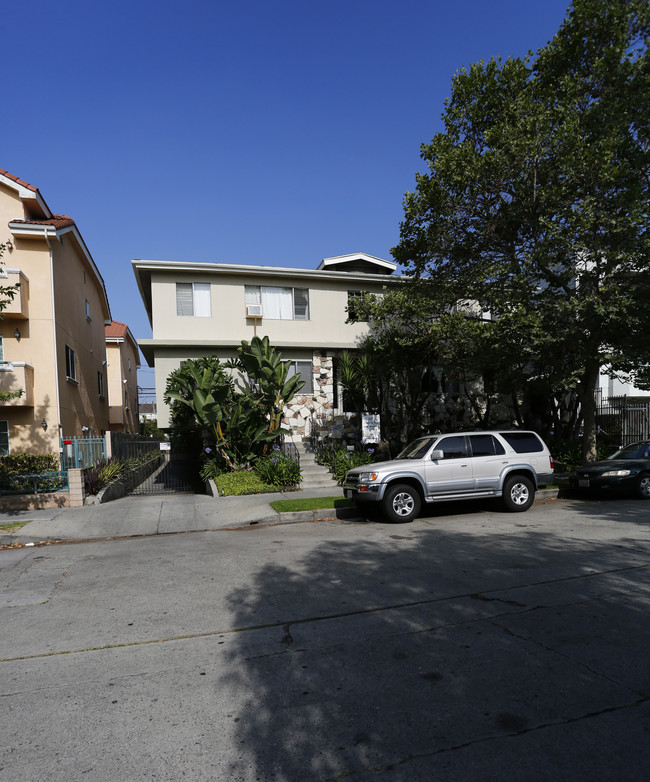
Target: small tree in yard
238 422
536 200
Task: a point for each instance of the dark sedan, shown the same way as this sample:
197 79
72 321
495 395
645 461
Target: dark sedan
627 470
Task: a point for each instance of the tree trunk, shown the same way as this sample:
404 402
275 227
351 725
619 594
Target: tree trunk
588 386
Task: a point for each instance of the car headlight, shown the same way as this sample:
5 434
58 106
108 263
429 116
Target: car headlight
615 474
367 477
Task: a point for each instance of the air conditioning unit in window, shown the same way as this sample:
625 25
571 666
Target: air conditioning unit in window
253 310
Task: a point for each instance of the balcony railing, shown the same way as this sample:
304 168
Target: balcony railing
19 307
17 376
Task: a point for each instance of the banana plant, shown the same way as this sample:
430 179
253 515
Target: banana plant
268 378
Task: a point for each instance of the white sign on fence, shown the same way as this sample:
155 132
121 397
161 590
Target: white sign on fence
370 428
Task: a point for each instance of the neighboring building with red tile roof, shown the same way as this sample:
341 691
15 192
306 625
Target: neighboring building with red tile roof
123 360
52 335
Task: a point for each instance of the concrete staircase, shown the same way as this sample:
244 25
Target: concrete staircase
315 476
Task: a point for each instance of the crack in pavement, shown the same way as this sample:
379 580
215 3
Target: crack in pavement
485 739
285 625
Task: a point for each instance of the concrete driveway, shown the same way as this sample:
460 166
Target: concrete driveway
470 645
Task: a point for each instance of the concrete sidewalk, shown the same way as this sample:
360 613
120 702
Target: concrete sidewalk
167 514
157 515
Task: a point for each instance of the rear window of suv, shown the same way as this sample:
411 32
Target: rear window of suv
523 442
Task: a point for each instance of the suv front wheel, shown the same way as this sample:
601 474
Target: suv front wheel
518 493
401 503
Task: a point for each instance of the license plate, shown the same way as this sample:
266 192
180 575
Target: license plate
583 483
348 493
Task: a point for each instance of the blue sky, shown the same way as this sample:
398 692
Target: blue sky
243 132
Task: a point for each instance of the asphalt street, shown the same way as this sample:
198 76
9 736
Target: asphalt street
473 644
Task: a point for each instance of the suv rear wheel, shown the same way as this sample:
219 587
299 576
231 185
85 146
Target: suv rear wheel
518 493
401 503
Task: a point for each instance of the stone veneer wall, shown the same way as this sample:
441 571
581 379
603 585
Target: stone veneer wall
306 409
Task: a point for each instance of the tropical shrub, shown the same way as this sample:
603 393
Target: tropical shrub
339 460
278 469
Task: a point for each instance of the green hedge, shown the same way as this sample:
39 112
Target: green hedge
27 462
241 482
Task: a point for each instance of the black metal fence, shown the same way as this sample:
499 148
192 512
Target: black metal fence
128 446
177 474
623 420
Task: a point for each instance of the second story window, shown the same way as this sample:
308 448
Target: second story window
353 298
87 311
100 384
70 364
193 299
279 303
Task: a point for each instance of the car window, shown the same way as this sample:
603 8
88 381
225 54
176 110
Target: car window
523 442
634 451
417 449
453 447
485 445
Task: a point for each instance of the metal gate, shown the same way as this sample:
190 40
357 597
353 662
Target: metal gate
623 420
178 474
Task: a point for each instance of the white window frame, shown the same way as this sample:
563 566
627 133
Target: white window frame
198 304
306 373
70 364
4 432
278 302
2 348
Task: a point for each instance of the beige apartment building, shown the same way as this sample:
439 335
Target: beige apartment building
52 336
198 309
122 362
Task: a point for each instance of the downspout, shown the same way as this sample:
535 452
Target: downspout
56 352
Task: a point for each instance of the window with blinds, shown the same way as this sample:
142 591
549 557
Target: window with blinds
193 299
306 371
279 303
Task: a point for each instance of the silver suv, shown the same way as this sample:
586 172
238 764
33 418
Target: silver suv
454 466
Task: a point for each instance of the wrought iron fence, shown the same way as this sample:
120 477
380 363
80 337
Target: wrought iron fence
127 446
290 449
623 420
33 482
81 452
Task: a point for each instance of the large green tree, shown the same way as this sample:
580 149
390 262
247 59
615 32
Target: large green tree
536 199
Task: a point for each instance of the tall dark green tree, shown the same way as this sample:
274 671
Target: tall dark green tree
536 199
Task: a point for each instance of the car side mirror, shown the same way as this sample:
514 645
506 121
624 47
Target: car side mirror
437 454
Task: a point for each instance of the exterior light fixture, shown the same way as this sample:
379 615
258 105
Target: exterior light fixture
44 425
17 333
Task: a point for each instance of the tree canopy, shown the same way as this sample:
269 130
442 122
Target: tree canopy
535 203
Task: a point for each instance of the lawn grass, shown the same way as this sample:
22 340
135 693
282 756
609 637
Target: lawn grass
310 503
13 526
